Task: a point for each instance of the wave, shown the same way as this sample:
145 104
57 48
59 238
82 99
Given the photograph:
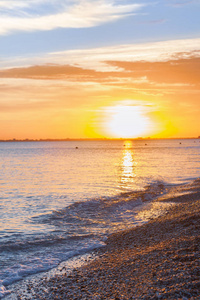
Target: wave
83 220
76 229
101 210
41 263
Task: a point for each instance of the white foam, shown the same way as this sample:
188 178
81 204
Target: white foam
3 291
45 263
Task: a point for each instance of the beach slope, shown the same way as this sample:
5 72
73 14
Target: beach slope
158 260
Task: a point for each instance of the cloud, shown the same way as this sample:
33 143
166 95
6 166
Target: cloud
98 59
155 68
178 75
46 72
164 67
82 13
180 3
12 4
154 22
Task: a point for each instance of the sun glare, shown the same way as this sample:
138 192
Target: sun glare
127 121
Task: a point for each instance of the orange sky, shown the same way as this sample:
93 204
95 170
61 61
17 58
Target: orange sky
69 101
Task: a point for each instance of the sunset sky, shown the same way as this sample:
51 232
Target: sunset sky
99 68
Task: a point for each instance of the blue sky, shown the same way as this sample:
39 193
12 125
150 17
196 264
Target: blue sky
40 26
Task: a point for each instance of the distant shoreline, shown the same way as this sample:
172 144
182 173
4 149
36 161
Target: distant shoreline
96 139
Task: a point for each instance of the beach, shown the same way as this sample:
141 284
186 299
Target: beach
99 149
158 260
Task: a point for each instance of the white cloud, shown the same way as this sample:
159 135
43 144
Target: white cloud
98 58
10 4
82 13
56 84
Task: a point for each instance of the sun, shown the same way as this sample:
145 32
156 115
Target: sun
127 121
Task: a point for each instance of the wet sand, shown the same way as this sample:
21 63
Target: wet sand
158 260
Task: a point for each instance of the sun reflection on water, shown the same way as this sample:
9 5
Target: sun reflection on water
127 163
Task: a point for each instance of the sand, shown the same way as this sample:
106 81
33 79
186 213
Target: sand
158 260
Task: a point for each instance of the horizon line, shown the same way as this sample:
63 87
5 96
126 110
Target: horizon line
94 139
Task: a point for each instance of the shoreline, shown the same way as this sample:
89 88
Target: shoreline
157 260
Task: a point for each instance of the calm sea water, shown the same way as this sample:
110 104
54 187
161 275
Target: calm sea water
57 201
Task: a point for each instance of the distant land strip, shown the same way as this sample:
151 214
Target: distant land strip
96 139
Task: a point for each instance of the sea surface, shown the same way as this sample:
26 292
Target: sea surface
62 199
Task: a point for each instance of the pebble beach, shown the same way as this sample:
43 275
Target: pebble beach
158 260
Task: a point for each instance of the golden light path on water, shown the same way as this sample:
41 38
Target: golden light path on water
127 163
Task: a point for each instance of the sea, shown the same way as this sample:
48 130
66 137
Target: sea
62 199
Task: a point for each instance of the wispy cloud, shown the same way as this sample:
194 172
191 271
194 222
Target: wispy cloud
12 4
154 22
103 59
179 3
180 74
99 59
76 14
